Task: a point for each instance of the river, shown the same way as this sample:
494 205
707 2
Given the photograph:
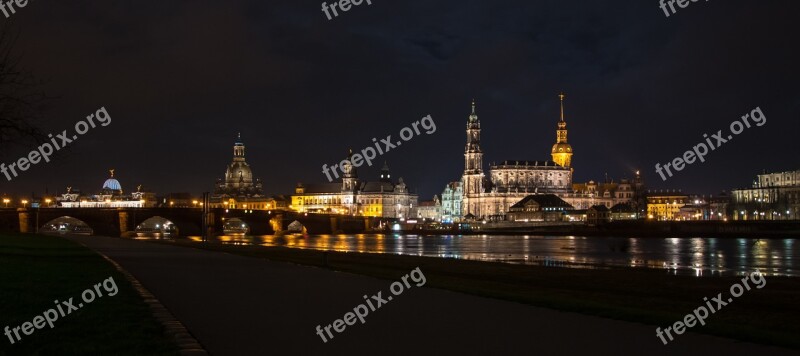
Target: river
687 256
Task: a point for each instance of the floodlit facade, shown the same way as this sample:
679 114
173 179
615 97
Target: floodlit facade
773 196
110 196
384 198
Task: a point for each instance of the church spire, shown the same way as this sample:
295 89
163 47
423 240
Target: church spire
473 116
562 151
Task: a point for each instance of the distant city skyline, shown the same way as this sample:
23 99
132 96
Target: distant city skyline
302 90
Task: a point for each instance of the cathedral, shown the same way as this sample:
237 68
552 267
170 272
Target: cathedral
510 181
490 196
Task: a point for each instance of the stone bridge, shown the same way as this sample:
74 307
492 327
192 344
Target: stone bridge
189 221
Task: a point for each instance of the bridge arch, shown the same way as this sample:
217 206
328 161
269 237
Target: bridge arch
66 225
235 226
157 227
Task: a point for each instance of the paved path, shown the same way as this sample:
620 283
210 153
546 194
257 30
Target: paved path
245 306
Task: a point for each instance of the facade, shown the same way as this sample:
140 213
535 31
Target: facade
430 210
666 205
351 196
490 197
609 193
598 214
623 211
705 208
239 190
110 196
773 196
543 207
451 202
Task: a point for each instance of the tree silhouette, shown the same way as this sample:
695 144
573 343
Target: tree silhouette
21 99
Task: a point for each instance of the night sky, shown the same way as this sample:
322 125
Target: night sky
181 78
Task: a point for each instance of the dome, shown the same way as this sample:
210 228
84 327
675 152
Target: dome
562 148
112 184
237 170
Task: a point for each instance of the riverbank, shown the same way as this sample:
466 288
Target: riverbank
35 270
654 297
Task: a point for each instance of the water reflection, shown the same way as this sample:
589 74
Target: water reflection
686 256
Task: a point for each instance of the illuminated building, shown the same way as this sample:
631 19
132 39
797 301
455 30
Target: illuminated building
543 207
773 196
510 181
451 202
239 190
351 196
624 211
609 193
665 205
562 151
430 210
598 214
110 196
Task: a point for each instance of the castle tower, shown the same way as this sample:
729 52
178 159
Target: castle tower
562 151
472 178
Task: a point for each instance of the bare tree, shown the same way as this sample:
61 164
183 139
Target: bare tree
22 100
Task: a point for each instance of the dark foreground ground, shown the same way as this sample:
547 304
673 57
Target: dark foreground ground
237 305
37 270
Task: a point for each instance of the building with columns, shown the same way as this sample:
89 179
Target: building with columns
773 196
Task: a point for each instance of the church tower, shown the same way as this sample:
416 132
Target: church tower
562 151
349 176
385 176
472 179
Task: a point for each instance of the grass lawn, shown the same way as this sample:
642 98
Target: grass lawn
37 270
766 316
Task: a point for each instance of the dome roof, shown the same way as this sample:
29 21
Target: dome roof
239 169
112 184
562 148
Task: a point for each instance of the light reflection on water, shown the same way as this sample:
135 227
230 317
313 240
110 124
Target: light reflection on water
687 256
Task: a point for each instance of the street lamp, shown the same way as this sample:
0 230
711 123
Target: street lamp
48 200
24 202
194 202
6 200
